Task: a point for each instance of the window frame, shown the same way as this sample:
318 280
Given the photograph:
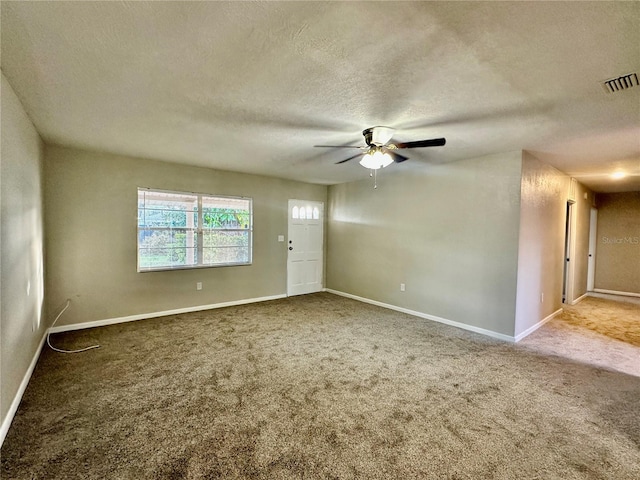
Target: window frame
199 231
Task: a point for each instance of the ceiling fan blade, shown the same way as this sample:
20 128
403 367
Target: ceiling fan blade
340 146
397 157
350 158
434 142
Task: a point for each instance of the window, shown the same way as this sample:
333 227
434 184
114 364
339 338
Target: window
192 230
305 212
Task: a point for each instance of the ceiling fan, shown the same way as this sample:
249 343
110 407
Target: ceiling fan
378 152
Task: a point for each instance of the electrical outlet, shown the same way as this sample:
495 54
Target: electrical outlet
542 298
402 287
199 286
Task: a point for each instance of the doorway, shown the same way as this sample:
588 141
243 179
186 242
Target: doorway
591 262
305 247
567 278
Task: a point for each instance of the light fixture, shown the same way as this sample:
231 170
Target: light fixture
375 158
618 175
378 135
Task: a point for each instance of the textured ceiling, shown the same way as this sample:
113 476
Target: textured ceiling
251 86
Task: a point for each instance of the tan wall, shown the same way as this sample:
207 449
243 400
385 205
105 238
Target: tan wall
449 232
22 321
580 255
91 202
618 242
541 242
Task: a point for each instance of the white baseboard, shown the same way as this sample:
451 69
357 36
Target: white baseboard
6 421
580 298
614 292
535 327
144 316
464 326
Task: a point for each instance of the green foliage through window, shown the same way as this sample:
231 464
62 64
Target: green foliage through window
188 230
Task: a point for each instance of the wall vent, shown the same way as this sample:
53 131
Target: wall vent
621 83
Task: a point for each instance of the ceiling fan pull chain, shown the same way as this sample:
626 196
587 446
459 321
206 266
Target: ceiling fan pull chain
375 179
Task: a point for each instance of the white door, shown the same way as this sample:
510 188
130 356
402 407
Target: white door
304 243
591 263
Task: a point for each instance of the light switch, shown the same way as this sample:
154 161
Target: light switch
281 238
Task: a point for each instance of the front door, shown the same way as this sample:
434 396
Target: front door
305 247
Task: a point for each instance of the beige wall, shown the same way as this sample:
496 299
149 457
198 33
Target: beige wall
22 323
580 255
449 232
541 243
91 202
618 242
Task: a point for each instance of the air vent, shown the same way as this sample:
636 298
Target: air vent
619 84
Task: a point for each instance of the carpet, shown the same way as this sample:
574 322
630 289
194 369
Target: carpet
324 387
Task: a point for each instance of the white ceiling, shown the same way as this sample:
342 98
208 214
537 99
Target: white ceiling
252 86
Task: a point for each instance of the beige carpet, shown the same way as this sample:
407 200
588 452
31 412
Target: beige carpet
597 332
323 387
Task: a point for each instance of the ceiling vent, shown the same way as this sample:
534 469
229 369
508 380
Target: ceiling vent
621 83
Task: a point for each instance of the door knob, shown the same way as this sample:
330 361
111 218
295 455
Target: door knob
290 248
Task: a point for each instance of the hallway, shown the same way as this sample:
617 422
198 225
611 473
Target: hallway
597 331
